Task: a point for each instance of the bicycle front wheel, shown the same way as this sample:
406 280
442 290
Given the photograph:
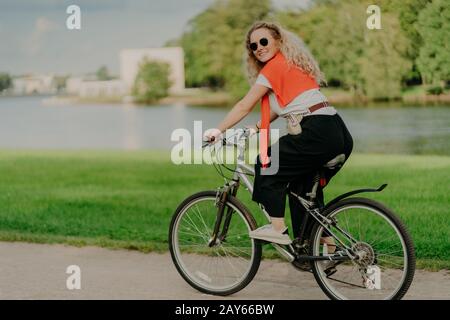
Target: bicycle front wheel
382 264
228 265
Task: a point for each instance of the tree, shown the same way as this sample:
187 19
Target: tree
333 33
408 15
434 28
152 81
383 64
103 74
5 81
214 44
375 63
407 12
368 62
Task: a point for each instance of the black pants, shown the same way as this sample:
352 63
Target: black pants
323 137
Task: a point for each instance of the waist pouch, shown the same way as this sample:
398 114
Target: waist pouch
293 124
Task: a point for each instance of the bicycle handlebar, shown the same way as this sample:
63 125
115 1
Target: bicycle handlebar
241 134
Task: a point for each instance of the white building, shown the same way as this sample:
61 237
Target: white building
130 59
73 85
38 84
90 88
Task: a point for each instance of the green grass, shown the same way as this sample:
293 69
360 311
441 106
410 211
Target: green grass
126 199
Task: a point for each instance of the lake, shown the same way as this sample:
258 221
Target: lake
32 122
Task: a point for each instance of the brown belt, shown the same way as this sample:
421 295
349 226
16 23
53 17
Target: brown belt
318 106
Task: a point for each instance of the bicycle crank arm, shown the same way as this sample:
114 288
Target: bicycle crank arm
285 253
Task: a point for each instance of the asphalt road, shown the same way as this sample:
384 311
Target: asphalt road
37 271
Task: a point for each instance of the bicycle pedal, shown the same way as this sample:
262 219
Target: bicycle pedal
302 266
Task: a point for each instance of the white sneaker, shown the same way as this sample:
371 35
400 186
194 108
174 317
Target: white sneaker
268 233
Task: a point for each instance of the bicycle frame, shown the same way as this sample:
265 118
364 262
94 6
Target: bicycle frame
241 174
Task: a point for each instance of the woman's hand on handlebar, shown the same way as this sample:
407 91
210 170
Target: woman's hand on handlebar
212 135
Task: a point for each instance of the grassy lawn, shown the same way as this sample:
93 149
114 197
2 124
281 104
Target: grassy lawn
126 199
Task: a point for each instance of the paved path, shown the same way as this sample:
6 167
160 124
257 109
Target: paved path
36 271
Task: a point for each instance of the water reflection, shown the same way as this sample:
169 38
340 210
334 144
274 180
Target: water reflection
27 122
131 137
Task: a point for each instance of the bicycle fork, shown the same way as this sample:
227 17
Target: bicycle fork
221 199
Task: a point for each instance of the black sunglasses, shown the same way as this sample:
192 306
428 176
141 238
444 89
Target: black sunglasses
263 41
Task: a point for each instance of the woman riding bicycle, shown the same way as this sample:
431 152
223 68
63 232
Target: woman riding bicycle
286 79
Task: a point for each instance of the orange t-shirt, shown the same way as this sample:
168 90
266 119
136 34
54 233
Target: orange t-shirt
287 81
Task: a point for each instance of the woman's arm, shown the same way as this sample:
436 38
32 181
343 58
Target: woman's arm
243 107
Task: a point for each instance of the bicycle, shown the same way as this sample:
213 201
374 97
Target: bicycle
209 243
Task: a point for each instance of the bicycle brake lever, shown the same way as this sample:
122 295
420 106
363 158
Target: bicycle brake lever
208 142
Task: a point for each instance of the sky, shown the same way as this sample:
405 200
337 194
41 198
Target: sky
34 37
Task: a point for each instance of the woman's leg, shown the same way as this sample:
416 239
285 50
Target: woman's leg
270 192
278 224
298 215
272 195
298 155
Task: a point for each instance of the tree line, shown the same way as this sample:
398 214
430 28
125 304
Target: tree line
5 81
411 48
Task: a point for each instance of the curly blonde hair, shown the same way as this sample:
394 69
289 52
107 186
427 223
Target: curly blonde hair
292 48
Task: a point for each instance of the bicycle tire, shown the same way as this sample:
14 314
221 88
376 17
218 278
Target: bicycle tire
245 213
389 214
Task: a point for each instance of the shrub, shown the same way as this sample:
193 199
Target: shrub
436 90
152 82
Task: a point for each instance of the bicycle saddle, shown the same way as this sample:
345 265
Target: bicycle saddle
335 162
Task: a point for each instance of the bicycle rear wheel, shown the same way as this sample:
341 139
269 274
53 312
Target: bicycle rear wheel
227 266
384 263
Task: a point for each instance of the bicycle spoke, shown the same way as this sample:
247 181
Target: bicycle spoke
229 262
192 245
390 262
191 234
208 231
194 225
382 240
389 254
232 250
385 275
